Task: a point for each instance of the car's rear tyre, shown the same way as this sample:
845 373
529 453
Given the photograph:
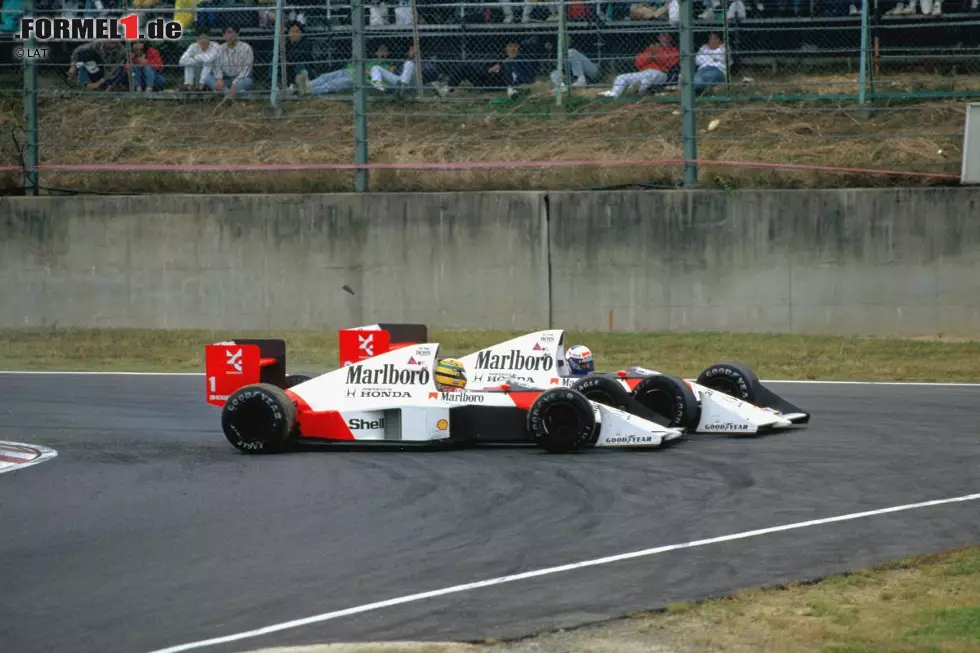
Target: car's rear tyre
295 379
671 398
603 390
258 418
733 379
562 420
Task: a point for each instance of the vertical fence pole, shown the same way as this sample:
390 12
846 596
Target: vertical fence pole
360 95
687 93
561 49
418 48
30 155
865 33
277 37
728 46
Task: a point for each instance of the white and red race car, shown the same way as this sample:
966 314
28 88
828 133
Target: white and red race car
384 393
725 397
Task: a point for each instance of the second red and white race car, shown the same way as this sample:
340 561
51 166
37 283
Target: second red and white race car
726 397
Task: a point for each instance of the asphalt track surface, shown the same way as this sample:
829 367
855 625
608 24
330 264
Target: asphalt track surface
149 530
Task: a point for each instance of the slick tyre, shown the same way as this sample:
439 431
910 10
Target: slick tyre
295 379
562 420
603 390
258 418
733 379
671 398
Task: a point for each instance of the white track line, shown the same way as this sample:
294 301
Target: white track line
44 454
792 381
550 570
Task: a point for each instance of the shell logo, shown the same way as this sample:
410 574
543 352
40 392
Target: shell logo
442 424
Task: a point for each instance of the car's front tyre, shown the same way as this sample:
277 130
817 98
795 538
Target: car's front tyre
562 420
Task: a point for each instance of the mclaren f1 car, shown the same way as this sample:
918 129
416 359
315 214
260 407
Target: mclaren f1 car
726 397
385 393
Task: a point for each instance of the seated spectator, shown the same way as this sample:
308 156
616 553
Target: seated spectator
404 74
147 68
232 70
712 64
12 12
100 65
299 54
513 71
508 9
654 66
655 10
198 60
184 12
583 69
341 80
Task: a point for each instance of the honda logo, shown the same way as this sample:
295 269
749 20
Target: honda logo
234 359
366 343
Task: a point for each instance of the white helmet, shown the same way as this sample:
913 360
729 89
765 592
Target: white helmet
579 359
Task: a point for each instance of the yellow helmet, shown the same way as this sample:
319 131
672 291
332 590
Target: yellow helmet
450 373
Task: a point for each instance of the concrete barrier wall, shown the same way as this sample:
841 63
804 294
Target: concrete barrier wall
883 261
274 262
895 261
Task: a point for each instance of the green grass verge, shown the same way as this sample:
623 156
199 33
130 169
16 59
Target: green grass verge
921 604
772 356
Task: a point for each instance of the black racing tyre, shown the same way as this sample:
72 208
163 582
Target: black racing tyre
562 420
733 379
258 418
670 397
295 379
603 390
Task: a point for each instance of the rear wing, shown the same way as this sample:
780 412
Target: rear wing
365 342
236 363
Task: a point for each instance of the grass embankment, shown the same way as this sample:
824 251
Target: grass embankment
924 137
923 604
926 604
772 356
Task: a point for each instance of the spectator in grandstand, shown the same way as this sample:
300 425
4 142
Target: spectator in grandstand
232 70
100 65
198 60
404 75
508 8
147 68
655 66
712 63
512 72
656 11
583 69
299 54
12 12
341 80
184 12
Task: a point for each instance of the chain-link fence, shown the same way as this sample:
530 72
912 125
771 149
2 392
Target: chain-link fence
484 83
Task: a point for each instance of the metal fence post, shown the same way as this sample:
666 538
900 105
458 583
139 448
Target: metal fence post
687 92
360 96
865 33
277 37
562 49
30 153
